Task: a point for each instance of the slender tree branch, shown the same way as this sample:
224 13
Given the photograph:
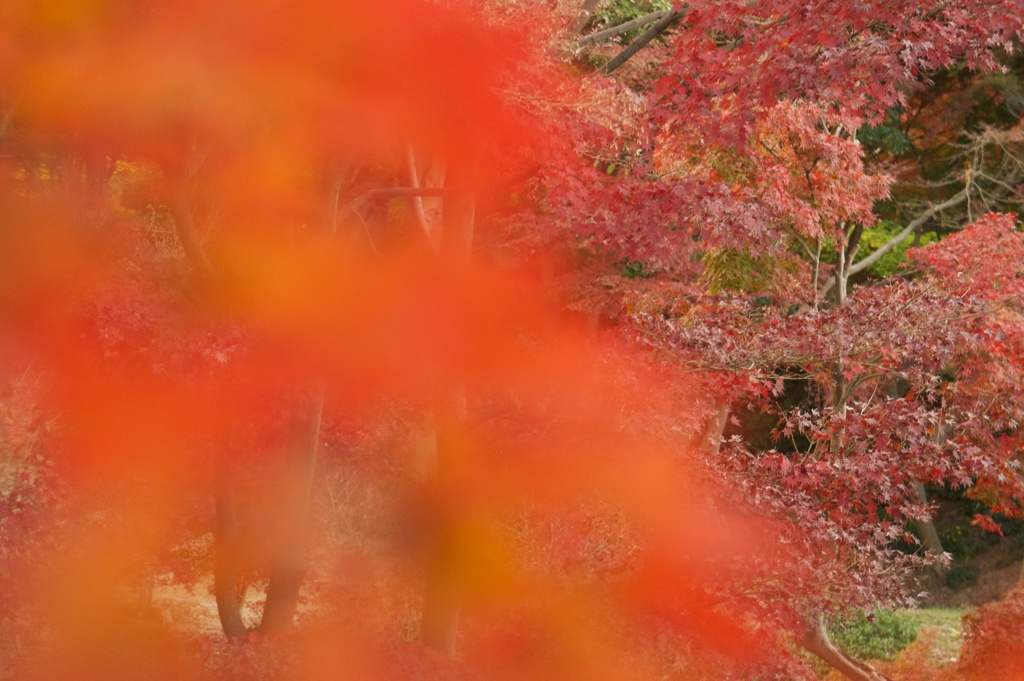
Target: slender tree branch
417 201
917 222
817 272
914 224
801 242
334 193
355 204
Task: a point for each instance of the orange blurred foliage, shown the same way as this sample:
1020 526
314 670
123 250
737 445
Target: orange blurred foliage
156 368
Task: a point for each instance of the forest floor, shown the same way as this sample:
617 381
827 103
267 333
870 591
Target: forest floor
997 566
994 580
195 609
985 565
984 569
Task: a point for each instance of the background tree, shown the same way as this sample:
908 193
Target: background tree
750 194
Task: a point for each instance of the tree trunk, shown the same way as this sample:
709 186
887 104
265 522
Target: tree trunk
715 428
228 559
925 529
185 227
439 620
839 393
290 560
927 533
815 640
426 208
840 278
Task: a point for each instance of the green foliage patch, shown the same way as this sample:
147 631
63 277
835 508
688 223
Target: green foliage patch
732 270
887 136
961 576
878 636
621 11
875 237
960 540
636 269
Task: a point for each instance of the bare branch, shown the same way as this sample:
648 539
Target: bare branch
917 222
583 17
914 224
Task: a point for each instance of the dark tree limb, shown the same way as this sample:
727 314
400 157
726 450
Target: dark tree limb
650 34
227 555
613 31
853 245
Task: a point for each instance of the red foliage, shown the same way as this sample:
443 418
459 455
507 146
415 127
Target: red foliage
990 649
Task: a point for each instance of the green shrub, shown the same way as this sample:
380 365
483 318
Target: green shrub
961 576
875 237
1012 527
636 269
880 639
615 13
960 540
